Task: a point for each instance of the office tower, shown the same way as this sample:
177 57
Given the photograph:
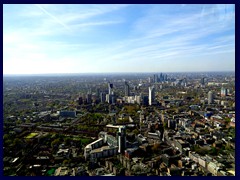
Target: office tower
145 100
150 80
113 98
210 97
98 92
126 89
80 100
155 78
89 98
185 82
138 99
103 97
108 99
203 81
110 88
224 91
151 95
165 78
161 77
121 138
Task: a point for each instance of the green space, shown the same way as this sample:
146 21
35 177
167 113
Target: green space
51 172
31 135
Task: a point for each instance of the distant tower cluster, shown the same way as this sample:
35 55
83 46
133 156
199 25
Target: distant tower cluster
160 78
151 97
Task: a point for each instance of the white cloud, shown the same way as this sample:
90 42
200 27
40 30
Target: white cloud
55 38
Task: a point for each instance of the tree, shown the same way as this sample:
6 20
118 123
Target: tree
28 121
135 131
18 121
67 140
66 161
213 151
55 142
17 142
5 137
165 125
228 147
227 120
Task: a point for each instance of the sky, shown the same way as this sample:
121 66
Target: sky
105 38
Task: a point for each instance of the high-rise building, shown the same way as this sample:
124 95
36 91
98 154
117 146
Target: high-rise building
98 92
103 97
155 78
150 80
89 98
145 100
108 98
113 98
210 97
151 95
138 99
203 81
110 88
161 77
80 100
126 89
224 91
165 78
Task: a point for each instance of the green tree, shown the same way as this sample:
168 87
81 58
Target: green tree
67 140
17 142
6 137
165 125
55 142
213 151
135 131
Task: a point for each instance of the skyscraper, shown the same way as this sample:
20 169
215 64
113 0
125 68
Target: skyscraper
126 89
155 78
224 91
161 77
210 97
110 87
151 95
103 97
165 79
113 98
89 98
203 81
145 100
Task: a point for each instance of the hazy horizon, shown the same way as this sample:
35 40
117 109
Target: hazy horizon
124 38
112 73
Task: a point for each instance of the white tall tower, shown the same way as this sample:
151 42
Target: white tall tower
151 95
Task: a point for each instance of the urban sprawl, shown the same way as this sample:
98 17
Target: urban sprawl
119 124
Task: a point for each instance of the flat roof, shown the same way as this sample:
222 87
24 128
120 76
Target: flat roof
101 149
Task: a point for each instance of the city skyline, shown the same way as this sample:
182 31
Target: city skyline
41 39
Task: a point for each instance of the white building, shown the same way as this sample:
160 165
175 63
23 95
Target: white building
151 95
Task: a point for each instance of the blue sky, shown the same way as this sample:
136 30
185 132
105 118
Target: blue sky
83 38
